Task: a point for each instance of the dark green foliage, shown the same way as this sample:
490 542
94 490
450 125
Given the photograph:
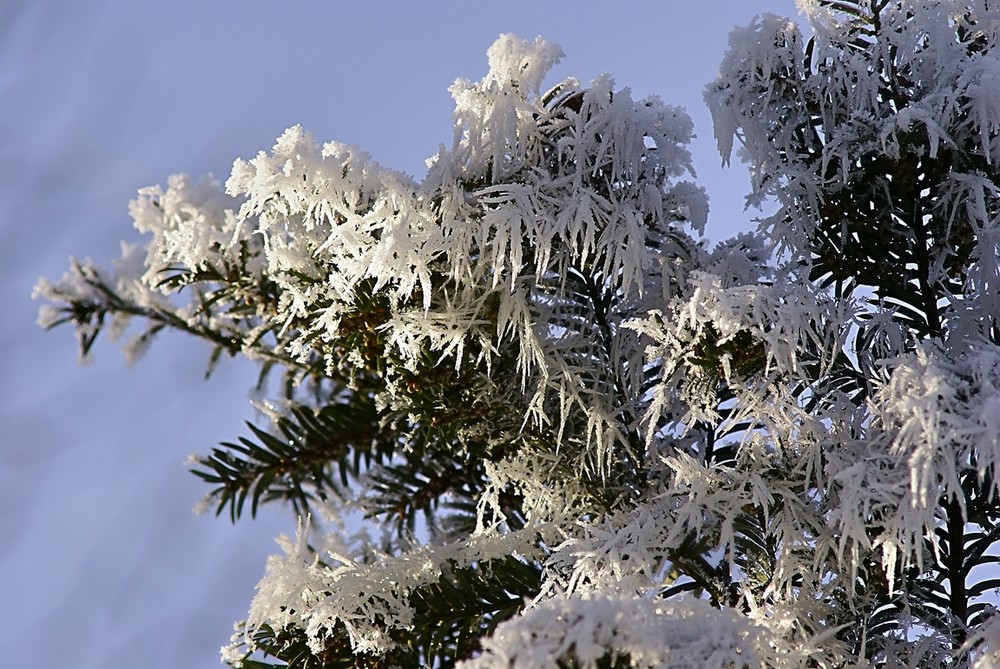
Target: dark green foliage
451 617
315 450
290 646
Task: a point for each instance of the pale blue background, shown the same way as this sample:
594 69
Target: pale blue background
102 563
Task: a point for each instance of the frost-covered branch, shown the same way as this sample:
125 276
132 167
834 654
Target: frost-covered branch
585 438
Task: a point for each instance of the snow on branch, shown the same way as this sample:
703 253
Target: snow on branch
642 632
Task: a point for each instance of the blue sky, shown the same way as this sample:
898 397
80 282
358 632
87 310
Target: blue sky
102 562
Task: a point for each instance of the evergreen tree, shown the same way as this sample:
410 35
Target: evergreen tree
581 437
